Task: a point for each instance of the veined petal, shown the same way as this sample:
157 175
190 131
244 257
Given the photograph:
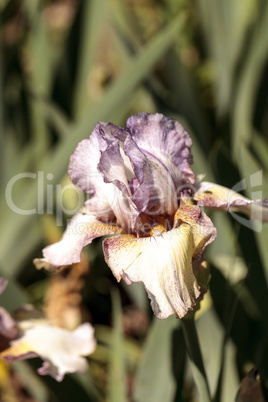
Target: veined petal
83 164
203 230
84 173
165 140
216 196
156 192
60 349
114 171
98 167
81 230
111 165
162 263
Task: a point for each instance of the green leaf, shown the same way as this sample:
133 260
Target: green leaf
117 372
251 170
131 349
224 23
247 87
40 79
219 356
163 361
260 146
13 296
31 381
121 90
92 25
86 382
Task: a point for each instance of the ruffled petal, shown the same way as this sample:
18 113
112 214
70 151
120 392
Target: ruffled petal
156 193
83 164
84 173
216 196
114 170
133 171
162 263
164 140
99 168
203 230
81 230
60 349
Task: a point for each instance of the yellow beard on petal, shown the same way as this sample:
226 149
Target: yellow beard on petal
16 349
157 230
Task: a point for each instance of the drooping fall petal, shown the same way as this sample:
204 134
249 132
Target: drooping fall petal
163 263
203 230
82 229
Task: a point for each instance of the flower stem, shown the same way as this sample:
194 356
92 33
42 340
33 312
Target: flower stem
194 352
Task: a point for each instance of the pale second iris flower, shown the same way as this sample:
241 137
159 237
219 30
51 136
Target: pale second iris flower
28 333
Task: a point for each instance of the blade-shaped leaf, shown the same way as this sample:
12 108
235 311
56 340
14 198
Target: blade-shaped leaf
164 353
117 371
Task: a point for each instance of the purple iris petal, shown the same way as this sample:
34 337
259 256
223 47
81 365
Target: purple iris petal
156 193
135 170
165 140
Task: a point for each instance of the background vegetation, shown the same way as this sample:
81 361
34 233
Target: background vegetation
67 64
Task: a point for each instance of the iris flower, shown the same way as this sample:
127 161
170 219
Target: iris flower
29 334
144 192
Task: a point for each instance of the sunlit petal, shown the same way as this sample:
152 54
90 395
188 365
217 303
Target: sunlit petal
162 263
60 349
216 196
83 171
113 169
203 230
82 229
165 140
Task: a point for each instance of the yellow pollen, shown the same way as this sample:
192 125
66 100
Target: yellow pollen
157 230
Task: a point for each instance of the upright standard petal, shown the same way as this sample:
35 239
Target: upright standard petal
156 193
99 168
216 196
165 140
114 171
163 263
81 230
61 350
84 173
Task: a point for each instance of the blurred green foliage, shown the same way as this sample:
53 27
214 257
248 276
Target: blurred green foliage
67 64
